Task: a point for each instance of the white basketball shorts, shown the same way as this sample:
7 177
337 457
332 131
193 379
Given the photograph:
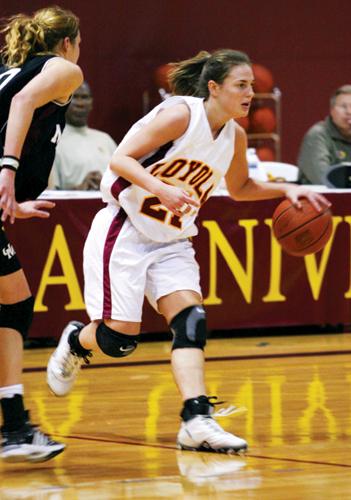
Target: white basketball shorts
121 266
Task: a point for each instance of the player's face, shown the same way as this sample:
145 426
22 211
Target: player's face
235 93
341 113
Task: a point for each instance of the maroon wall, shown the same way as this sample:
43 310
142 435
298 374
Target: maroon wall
304 42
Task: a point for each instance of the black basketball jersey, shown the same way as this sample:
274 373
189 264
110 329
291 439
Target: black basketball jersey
48 122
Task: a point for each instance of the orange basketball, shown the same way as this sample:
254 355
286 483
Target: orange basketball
263 120
263 79
161 77
244 122
265 153
301 231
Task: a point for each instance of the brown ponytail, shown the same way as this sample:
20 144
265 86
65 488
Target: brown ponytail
185 75
191 77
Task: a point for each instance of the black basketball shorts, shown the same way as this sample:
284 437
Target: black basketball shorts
9 262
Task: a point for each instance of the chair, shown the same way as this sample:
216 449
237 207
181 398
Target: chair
280 172
338 176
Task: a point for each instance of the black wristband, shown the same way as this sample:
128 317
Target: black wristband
9 167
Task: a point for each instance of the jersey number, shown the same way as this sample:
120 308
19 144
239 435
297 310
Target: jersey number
57 135
6 77
152 207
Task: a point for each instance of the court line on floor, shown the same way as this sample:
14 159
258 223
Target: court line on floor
208 359
170 447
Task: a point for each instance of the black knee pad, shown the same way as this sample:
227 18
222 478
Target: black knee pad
115 344
18 316
189 328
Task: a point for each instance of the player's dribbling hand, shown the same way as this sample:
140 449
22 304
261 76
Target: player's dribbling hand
294 193
7 195
29 209
176 199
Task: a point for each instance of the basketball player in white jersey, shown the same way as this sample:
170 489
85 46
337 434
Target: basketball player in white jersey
166 167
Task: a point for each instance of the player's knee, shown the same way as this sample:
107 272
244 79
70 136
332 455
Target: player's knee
189 328
115 344
17 316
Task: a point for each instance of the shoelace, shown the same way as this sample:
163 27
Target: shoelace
41 439
225 412
72 361
86 357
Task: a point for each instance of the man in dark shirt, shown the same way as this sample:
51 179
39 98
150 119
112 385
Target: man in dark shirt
327 142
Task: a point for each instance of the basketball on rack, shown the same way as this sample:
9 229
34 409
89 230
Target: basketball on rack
161 77
301 231
244 122
264 81
265 153
263 120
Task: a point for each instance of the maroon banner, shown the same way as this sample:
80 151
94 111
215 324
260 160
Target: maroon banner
247 280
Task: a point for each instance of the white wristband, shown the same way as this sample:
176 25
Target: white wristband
10 162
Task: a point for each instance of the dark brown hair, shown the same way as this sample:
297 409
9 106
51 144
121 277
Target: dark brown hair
191 77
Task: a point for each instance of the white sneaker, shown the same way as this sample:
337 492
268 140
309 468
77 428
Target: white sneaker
28 444
64 365
203 433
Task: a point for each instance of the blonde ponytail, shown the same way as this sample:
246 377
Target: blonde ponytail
26 36
23 37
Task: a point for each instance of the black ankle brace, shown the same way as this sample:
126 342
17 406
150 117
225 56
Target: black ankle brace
14 414
76 346
196 406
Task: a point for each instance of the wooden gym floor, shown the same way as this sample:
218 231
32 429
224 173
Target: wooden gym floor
121 420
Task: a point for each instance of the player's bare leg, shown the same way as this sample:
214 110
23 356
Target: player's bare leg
199 431
21 441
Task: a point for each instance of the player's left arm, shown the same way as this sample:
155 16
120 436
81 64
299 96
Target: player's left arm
242 188
34 208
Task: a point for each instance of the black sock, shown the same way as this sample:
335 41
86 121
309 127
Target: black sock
196 406
76 346
14 414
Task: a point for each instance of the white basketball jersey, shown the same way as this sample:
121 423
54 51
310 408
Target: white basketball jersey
196 162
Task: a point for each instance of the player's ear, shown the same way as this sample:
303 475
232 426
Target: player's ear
213 87
66 43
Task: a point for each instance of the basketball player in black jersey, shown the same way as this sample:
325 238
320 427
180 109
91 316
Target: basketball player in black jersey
38 75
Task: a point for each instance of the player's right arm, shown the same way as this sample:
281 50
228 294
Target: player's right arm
167 126
56 82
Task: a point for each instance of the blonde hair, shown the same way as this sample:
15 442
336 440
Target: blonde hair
191 77
37 34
